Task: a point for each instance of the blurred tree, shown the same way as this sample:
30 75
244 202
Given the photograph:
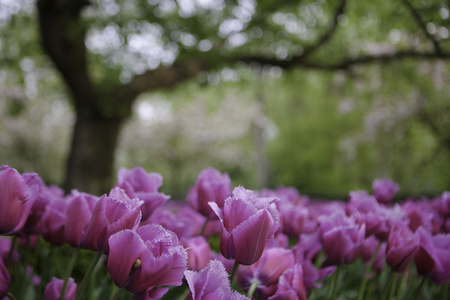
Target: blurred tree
111 51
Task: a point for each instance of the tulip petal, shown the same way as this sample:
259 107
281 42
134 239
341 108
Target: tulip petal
121 259
250 237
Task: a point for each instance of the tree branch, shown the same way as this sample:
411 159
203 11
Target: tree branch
420 22
327 35
165 77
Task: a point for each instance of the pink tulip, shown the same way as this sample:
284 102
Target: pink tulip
291 286
385 189
401 247
433 257
211 186
146 259
266 271
79 213
341 237
211 283
199 252
248 221
137 183
14 201
111 214
54 288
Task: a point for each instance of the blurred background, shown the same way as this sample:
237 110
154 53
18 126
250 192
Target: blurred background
321 95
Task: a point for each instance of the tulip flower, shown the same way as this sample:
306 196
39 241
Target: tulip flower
266 271
211 186
433 257
385 189
401 247
14 201
41 195
211 283
290 285
143 260
137 183
341 237
247 221
111 214
53 221
55 286
79 213
199 252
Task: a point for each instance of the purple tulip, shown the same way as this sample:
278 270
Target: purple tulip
79 213
5 279
54 288
433 257
41 195
111 214
179 218
14 201
266 271
368 211
384 189
146 259
211 283
248 221
401 247
53 221
341 237
290 285
5 248
199 252
419 215
211 186
137 183
368 249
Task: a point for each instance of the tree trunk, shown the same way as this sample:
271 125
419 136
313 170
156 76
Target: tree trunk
91 160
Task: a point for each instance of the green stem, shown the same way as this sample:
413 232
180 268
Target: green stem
252 288
69 272
335 283
117 294
445 292
419 289
387 284
362 289
400 286
87 276
202 231
233 272
10 296
393 287
319 259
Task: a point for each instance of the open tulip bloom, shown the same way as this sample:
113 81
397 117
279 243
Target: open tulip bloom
218 244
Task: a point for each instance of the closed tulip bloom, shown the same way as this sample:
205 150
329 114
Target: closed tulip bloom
433 257
290 285
79 212
111 214
266 271
385 189
211 186
53 221
137 183
199 252
402 245
341 238
211 283
54 288
14 201
146 259
248 221
41 195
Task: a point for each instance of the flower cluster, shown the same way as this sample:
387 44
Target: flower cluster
224 242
